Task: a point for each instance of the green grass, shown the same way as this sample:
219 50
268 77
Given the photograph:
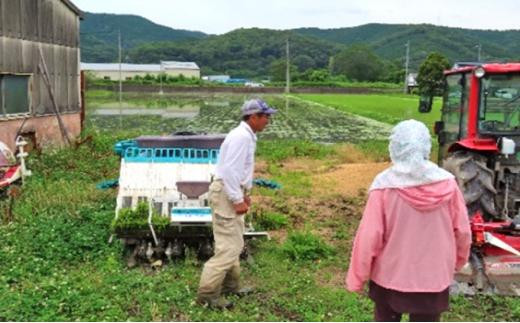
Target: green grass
58 266
376 148
365 85
305 246
56 263
389 108
279 150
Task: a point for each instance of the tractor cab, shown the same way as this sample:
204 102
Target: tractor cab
481 106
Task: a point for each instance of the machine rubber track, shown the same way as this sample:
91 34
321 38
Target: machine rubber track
475 180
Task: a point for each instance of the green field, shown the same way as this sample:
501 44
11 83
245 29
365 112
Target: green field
386 108
56 264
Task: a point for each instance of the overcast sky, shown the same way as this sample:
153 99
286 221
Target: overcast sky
221 16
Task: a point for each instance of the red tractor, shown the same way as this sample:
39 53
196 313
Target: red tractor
479 142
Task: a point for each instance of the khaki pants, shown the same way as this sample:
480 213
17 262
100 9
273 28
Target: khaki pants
222 271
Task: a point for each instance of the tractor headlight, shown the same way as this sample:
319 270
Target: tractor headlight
507 146
479 72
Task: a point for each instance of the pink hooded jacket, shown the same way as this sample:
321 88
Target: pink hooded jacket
411 239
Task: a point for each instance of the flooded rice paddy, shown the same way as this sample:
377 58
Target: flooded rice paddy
154 114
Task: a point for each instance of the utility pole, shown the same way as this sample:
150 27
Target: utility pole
161 74
407 60
120 73
287 70
479 48
120 79
160 78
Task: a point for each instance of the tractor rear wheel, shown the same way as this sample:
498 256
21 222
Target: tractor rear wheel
475 181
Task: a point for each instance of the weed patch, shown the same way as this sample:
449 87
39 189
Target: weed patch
271 220
306 246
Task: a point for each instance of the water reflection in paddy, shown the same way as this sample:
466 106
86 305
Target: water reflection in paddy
296 119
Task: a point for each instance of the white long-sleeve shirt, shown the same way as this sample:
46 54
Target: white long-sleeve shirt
236 162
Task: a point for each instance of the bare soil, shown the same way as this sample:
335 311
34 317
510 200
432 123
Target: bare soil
347 179
338 196
339 192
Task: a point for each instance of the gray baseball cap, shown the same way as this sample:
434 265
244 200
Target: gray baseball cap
256 106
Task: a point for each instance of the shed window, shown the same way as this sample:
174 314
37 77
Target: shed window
14 94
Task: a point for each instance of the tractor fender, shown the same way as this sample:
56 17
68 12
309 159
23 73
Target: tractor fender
475 144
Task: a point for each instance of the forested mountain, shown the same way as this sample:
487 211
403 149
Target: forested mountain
99 35
458 44
242 52
251 52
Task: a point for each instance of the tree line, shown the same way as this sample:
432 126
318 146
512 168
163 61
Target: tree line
260 54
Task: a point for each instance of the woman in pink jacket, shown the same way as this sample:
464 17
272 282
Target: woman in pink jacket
414 234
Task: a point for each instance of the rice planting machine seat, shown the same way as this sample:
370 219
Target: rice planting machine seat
12 166
162 203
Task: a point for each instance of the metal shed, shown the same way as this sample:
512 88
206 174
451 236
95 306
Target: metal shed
111 70
38 36
188 69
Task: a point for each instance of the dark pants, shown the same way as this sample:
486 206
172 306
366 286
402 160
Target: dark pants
384 313
422 307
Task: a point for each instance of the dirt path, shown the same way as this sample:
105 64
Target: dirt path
344 179
347 179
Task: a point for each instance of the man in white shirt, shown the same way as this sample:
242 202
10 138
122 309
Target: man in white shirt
230 201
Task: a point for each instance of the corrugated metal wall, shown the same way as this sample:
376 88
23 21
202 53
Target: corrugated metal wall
25 25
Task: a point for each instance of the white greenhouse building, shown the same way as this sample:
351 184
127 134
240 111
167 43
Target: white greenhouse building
128 71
